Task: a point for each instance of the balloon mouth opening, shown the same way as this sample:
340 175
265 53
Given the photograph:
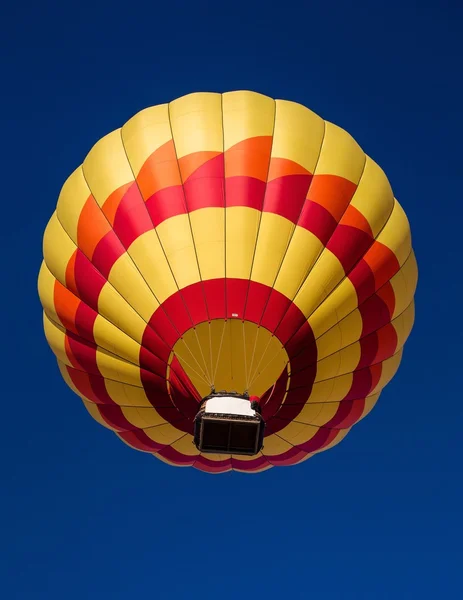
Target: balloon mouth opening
229 423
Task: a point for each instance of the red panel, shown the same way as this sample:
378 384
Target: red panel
244 191
84 321
106 253
271 400
256 301
205 187
374 314
163 326
183 393
322 438
363 280
376 372
212 466
302 341
275 310
88 386
114 416
175 457
387 343
290 457
362 384
155 344
166 203
237 290
140 441
195 299
348 413
99 387
368 350
286 195
151 362
84 353
318 220
177 312
250 465
132 218
349 244
294 331
386 293
89 282
214 290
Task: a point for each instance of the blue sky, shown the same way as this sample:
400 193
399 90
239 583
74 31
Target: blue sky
377 517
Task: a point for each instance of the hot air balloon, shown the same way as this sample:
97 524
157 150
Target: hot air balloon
228 282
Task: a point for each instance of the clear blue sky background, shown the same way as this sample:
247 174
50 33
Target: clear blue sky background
379 516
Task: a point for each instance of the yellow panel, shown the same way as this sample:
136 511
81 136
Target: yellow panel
57 248
242 224
177 244
164 434
374 197
303 250
370 402
403 325
344 361
144 133
193 352
215 457
404 284
73 196
148 255
185 446
244 357
246 115
261 469
341 302
113 307
196 122
46 287
105 333
56 339
274 445
323 278
126 395
339 437
65 375
142 417
297 433
331 390
95 413
133 447
298 134
340 155
114 340
389 369
130 284
112 367
343 334
396 234
317 414
244 459
272 241
106 167
208 226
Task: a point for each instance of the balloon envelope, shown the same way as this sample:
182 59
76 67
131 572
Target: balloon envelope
235 242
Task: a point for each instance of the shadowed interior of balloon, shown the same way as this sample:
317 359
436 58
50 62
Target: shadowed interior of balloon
230 355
